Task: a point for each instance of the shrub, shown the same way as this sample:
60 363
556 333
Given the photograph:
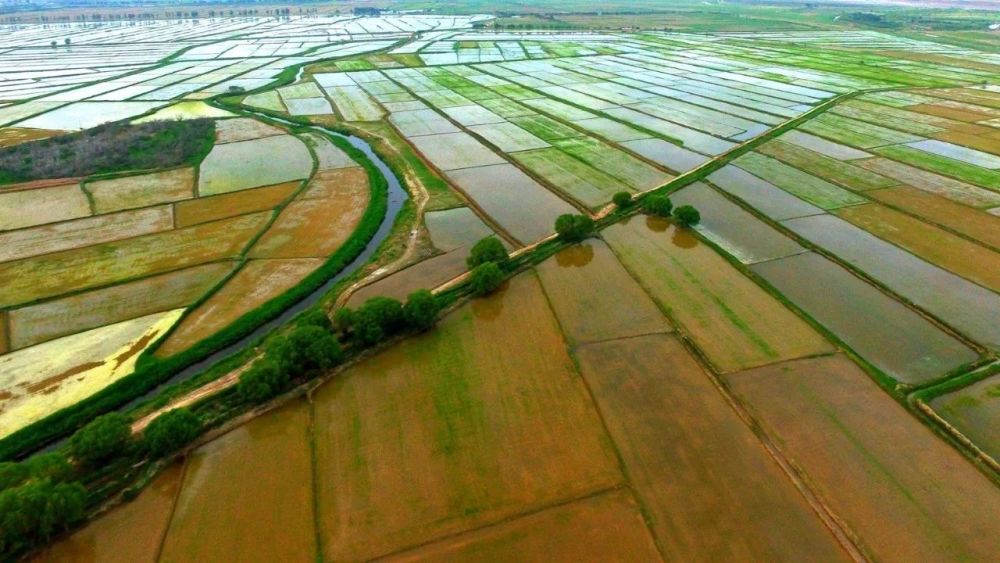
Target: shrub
622 199
486 278
12 474
315 317
262 381
103 438
34 512
306 349
377 318
421 309
170 431
574 227
52 466
343 319
659 205
489 249
686 216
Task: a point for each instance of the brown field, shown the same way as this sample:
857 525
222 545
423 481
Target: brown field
594 298
315 228
932 183
28 207
243 129
607 528
463 426
213 208
330 184
51 319
734 322
951 252
907 494
967 115
427 274
10 136
979 142
130 533
709 488
256 283
248 495
4 341
143 190
54 274
85 231
972 223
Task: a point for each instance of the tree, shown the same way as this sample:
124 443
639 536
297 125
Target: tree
262 381
306 349
574 227
377 318
659 205
343 319
622 199
315 317
686 216
67 40
52 466
34 512
486 278
103 438
489 249
170 431
421 309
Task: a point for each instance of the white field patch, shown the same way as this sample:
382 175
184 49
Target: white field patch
42 379
185 110
667 154
84 115
308 106
354 104
823 146
330 157
453 151
611 129
421 122
509 137
472 115
38 206
960 153
248 164
265 100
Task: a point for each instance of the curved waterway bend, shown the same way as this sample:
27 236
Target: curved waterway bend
397 196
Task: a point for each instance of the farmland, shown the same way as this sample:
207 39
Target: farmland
808 369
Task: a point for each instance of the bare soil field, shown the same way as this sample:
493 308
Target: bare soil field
213 208
247 496
256 283
708 486
243 129
972 223
903 492
129 192
463 426
735 323
606 528
30 206
594 298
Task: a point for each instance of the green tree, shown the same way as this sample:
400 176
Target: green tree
170 431
659 205
12 474
486 278
421 309
103 438
574 227
489 249
377 318
622 199
306 349
315 317
687 215
34 512
52 466
343 319
262 381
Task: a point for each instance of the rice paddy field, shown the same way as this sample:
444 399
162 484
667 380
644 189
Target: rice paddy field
809 372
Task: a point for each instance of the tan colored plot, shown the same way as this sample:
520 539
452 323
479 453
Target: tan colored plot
604 529
143 190
85 231
256 283
46 276
243 129
972 223
734 322
951 252
930 182
466 425
959 114
710 489
331 184
594 298
20 208
979 142
426 274
904 492
52 319
315 228
247 496
213 208
10 136
4 339
130 533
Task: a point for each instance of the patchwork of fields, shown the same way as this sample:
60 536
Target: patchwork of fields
773 383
